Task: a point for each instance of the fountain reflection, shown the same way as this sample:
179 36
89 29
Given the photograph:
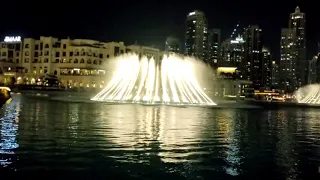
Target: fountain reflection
173 131
9 129
285 149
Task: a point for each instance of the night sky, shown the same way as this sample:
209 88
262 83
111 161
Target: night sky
149 22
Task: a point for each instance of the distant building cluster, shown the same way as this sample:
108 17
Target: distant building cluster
245 51
242 58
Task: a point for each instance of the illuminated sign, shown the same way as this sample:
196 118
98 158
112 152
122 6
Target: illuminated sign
192 13
9 74
12 39
239 39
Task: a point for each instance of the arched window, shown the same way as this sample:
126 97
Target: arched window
76 61
26 46
95 62
55 72
89 52
89 61
46 46
77 53
83 53
82 61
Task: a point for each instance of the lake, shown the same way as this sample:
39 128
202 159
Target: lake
52 139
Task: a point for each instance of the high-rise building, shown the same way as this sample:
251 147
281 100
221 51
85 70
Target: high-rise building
253 64
196 37
214 45
232 54
266 68
297 23
274 75
293 62
312 70
172 44
288 64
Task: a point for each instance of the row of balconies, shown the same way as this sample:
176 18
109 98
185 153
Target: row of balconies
76 61
63 54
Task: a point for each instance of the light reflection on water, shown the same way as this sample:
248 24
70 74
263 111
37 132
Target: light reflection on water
160 141
9 128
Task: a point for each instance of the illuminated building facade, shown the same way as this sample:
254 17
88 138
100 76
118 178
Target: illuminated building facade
253 56
10 60
297 24
288 64
214 45
266 68
312 70
196 37
274 75
76 63
172 44
293 62
232 54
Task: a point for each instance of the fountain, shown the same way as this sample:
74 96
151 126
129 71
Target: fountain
309 94
146 80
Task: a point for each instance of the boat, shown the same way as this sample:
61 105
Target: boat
5 95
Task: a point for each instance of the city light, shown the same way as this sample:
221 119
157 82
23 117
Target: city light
238 40
227 69
192 13
12 39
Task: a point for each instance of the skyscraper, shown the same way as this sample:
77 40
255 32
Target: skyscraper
297 24
274 75
214 45
232 53
172 44
266 68
312 70
293 61
253 64
288 76
196 37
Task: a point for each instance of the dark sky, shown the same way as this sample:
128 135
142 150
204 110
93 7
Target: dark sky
149 22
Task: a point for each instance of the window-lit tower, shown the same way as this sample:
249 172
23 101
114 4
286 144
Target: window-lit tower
253 63
266 67
196 37
297 23
288 64
274 75
214 46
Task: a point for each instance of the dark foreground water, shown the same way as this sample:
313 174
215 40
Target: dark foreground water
42 138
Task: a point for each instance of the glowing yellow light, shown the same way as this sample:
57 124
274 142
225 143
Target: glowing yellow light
226 69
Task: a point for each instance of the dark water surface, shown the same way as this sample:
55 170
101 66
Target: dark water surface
99 141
